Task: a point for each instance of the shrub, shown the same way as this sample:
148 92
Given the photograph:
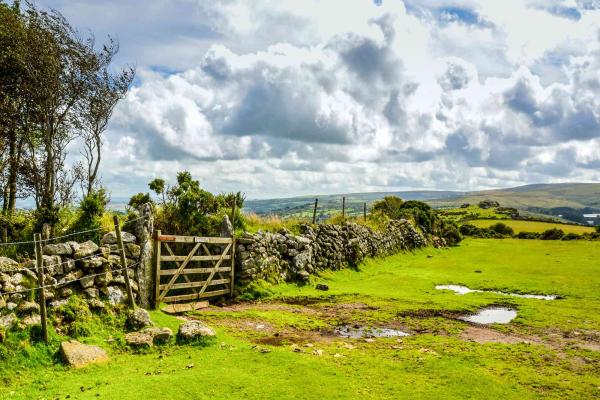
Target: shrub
502 229
528 235
452 235
571 236
91 210
552 234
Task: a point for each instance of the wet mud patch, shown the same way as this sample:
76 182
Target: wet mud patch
461 290
361 332
486 335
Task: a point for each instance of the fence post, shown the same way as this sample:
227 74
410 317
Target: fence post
232 273
365 212
344 208
123 261
315 211
42 292
157 250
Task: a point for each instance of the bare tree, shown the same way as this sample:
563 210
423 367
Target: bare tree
95 110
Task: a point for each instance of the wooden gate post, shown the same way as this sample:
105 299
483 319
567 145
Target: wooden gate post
157 249
41 283
123 261
344 208
232 272
365 212
315 211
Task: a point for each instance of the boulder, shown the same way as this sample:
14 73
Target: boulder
303 275
8 321
159 335
139 339
138 319
111 238
115 295
85 249
322 286
78 355
28 307
226 229
7 264
132 250
58 249
194 330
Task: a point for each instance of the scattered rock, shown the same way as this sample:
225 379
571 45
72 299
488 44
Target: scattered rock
194 330
139 339
115 295
96 304
321 286
31 320
159 335
303 275
78 354
91 293
111 238
317 352
138 319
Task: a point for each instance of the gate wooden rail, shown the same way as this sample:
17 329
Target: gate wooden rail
202 262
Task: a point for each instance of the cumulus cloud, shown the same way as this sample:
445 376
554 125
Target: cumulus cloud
276 98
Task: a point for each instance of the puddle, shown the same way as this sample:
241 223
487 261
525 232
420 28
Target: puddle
458 289
358 332
498 315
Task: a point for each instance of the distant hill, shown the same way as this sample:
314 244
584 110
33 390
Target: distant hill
551 199
528 197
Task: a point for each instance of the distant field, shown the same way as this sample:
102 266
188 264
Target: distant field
533 226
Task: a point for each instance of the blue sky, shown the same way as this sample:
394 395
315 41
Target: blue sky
281 98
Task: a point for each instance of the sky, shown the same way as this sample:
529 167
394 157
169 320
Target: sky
292 97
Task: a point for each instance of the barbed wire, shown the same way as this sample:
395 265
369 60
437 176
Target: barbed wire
58 284
69 234
49 266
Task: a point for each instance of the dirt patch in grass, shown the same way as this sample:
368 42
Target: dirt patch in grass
486 335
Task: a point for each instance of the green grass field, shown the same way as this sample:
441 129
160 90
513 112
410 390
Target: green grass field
534 226
283 346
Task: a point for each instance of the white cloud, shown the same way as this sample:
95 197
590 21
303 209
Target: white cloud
282 97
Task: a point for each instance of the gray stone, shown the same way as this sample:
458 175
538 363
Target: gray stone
78 355
8 321
139 339
93 263
115 295
322 286
226 229
91 293
11 306
194 330
132 250
159 335
111 238
7 264
138 319
31 320
28 307
96 304
85 249
303 275
87 282
58 249
104 279
58 303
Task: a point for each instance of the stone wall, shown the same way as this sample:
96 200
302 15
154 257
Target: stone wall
283 256
86 268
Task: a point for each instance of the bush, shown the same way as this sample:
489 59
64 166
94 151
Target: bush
91 210
528 235
502 229
571 236
552 234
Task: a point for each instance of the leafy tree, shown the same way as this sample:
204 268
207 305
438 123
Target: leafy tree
502 229
139 199
158 186
91 209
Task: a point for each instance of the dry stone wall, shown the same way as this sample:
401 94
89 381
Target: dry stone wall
90 269
283 256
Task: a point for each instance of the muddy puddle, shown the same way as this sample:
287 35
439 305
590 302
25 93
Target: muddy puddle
358 332
496 315
458 289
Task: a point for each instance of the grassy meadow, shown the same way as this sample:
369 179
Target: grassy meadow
534 226
284 346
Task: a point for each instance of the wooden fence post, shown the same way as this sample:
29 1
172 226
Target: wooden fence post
232 273
123 261
344 208
157 249
315 211
365 212
42 292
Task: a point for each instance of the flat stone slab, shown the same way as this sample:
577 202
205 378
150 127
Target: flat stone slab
181 308
78 355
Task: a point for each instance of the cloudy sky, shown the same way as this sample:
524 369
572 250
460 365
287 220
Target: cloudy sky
289 97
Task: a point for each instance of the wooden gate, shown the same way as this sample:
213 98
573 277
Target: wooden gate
193 267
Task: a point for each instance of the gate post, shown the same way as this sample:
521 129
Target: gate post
156 269
143 230
232 273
